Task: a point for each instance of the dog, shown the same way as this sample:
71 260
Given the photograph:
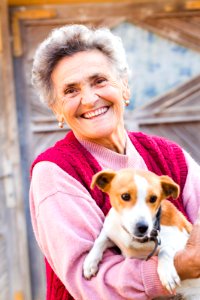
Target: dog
142 223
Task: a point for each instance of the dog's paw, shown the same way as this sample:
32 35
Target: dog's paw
169 277
90 267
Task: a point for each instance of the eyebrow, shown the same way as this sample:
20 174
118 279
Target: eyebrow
72 84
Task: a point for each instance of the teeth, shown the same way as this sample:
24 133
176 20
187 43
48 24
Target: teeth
95 113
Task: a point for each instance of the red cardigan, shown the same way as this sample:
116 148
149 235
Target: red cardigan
161 156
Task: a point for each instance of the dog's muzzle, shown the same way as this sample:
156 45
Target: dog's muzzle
154 234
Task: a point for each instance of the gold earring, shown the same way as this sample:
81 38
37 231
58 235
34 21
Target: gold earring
61 124
127 102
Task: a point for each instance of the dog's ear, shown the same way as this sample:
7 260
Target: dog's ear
169 187
102 179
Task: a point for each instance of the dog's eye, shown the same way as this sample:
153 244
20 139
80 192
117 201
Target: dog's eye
153 199
126 196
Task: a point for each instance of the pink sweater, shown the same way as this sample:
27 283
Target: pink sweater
118 278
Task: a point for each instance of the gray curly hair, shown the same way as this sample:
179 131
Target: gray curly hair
66 41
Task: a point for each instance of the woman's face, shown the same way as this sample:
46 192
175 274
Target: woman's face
90 96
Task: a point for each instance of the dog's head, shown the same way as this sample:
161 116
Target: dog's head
136 196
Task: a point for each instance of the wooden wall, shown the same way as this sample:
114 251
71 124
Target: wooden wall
175 115
14 266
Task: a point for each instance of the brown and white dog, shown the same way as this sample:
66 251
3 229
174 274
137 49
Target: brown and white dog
140 216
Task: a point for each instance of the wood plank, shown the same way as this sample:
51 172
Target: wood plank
4 274
47 128
192 4
184 25
176 99
178 35
18 260
167 120
45 2
18 16
186 95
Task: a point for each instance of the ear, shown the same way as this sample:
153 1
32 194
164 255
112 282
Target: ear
57 112
126 89
102 179
169 187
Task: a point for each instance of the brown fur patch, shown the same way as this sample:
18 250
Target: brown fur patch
123 182
171 216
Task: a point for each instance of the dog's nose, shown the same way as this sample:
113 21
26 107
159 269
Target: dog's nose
141 228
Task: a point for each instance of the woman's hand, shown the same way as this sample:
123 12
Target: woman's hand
187 261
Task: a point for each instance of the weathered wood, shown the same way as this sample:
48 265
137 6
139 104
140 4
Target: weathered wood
182 30
17 16
192 4
169 5
175 115
183 96
40 2
1 33
15 231
179 24
168 119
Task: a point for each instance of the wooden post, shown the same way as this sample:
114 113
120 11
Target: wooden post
18 255
32 14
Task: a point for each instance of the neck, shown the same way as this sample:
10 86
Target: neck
115 142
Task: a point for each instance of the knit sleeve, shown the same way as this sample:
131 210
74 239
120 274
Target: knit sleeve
191 191
66 220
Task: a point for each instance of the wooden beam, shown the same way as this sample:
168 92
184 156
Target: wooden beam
1 33
169 5
20 280
192 5
19 15
45 2
167 119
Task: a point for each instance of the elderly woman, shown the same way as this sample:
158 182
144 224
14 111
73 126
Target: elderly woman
82 75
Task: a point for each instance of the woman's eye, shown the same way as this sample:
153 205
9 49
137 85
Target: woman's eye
153 199
126 196
69 91
100 81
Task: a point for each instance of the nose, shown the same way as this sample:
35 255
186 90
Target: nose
141 228
88 96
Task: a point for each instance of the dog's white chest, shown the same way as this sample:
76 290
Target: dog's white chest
173 237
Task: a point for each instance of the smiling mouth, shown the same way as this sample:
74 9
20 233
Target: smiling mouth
95 113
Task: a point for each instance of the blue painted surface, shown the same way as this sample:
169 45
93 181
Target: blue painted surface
157 65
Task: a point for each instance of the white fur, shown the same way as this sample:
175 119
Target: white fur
140 211
173 240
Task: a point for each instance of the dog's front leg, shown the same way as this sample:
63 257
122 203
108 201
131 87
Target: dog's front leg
92 260
166 270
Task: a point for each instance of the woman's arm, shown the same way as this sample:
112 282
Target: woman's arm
191 191
66 220
187 261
